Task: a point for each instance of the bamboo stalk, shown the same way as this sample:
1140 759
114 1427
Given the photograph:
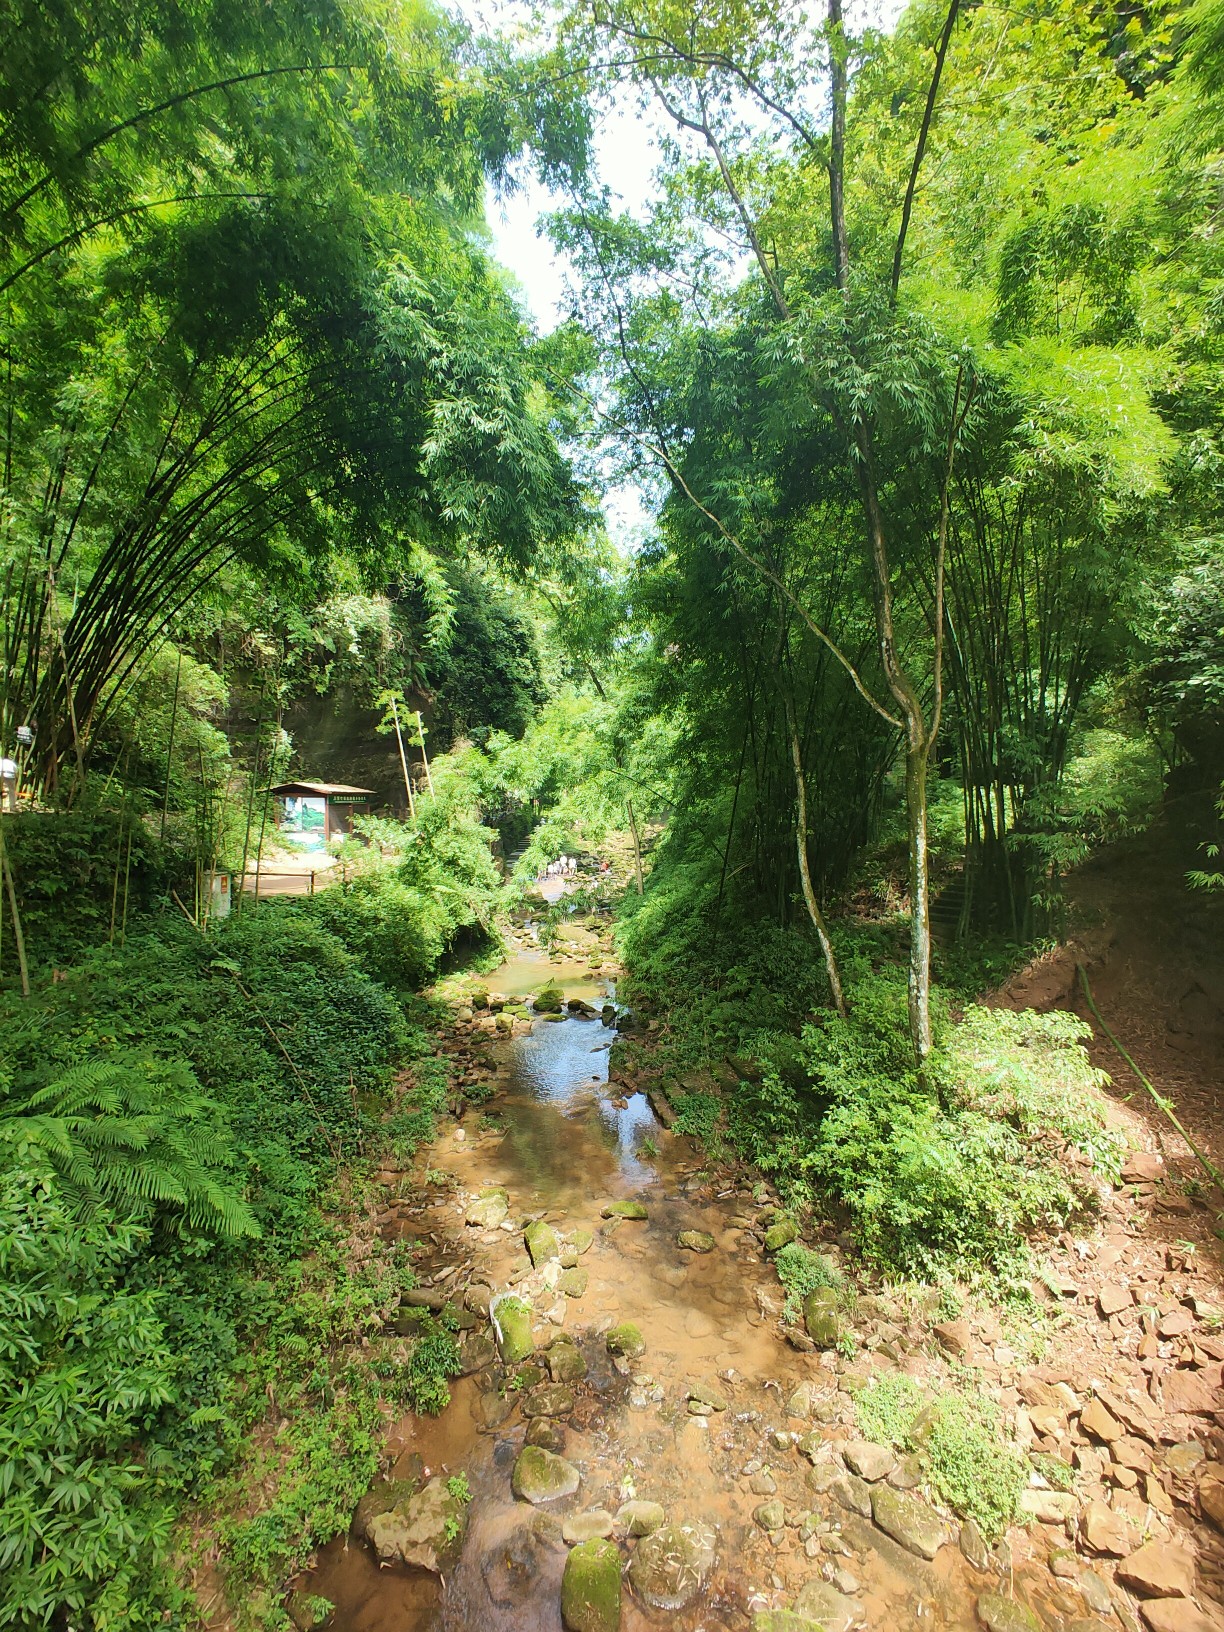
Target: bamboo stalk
399 737
18 933
424 755
178 675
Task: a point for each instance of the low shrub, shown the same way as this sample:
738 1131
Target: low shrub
958 1443
947 1173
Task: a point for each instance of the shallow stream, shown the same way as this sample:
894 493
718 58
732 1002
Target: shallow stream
563 1143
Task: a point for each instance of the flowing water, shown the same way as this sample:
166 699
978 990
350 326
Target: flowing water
563 1142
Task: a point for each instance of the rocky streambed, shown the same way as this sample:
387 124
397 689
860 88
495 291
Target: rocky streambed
641 1439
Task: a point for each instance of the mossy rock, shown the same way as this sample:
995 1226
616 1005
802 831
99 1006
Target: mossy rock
566 1364
573 1282
781 1235
581 1240
591 1587
549 1001
542 1243
542 1476
696 1240
820 1317
626 1340
625 1209
512 1323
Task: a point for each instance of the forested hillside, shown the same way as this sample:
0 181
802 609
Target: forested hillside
832 800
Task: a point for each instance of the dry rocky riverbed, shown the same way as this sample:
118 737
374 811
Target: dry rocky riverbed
648 1442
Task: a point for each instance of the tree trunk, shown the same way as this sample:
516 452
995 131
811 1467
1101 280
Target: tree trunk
637 847
805 871
917 761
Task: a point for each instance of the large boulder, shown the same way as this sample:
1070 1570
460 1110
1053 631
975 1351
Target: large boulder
511 1317
820 1317
591 1587
542 1243
489 1209
512 1568
541 1476
425 1531
549 1001
909 1520
671 1566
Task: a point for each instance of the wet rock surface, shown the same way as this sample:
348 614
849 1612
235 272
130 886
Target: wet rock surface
670 1567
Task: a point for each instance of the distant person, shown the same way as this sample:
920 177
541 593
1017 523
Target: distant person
8 783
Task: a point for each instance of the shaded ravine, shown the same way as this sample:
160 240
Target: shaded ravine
563 1144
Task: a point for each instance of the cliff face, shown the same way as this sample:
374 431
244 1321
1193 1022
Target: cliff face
335 739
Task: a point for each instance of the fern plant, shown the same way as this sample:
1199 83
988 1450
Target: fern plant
136 1134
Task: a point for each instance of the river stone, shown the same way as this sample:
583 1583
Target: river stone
854 1494
547 1432
476 1351
973 1545
820 1317
553 1400
909 1520
783 1620
781 1235
832 1610
488 1210
591 1588
512 1322
548 1001
624 1209
701 1394
477 1298
566 1363
804 1400
581 1240
640 1518
1000 1614
626 1340
592 1525
672 1565
573 1282
870 1462
541 1241
541 1476
1159 1569
770 1515
381 1498
492 1408
696 1240
425 1531
511 1569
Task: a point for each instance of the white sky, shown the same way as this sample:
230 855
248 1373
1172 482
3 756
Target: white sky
625 155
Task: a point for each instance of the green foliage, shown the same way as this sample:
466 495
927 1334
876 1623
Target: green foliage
195 1095
697 1114
136 1134
885 1409
85 1370
946 1173
953 1172
434 1359
802 1271
958 1442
